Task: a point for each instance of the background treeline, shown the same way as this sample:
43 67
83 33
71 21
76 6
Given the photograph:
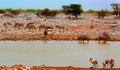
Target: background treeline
20 10
72 9
40 10
95 11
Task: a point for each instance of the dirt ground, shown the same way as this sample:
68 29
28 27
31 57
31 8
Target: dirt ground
41 67
59 28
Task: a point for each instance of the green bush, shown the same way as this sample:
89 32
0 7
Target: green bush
20 10
91 11
14 12
8 9
33 10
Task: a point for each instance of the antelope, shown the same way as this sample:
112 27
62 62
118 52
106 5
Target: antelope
94 62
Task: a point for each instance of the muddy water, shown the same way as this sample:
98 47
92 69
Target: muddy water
57 53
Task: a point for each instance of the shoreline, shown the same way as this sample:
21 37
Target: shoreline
39 36
43 67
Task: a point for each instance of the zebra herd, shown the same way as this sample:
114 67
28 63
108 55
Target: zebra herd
32 25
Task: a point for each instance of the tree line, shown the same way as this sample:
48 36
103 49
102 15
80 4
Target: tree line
72 9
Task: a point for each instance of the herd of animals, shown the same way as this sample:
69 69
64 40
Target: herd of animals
46 27
107 63
105 37
30 25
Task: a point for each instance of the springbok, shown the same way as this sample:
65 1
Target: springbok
94 62
104 65
106 62
112 63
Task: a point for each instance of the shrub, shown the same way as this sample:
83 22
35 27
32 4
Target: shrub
14 12
2 11
90 11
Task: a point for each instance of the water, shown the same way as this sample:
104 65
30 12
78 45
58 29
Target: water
57 53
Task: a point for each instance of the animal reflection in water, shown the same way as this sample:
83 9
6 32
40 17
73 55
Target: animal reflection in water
94 62
108 63
107 43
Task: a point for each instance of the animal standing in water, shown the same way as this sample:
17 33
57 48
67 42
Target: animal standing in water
94 62
109 63
106 63
112 63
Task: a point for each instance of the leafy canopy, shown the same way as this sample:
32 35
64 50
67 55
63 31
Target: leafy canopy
74 9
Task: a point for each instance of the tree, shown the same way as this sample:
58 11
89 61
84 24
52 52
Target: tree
65 9
52 13
48 13
45 12
74 9
116 8
2 11
101 14
14 12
